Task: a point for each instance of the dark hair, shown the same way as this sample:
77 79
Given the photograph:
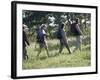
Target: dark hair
43 26
62 26
77 20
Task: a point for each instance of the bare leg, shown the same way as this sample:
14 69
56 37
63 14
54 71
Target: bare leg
24 53
25 56
39 52
46 48
78 42
68 48
60 48
47 51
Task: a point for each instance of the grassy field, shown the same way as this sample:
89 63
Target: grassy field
76 59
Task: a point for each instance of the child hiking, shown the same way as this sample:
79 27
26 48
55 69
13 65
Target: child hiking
41 39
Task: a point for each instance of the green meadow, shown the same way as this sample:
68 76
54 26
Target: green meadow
76 59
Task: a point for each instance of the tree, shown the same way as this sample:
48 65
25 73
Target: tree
33 19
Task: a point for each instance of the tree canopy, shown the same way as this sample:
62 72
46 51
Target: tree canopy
33 19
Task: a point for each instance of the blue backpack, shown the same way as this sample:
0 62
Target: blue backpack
40 36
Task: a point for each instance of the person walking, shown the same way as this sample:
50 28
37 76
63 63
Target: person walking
61 35
76 31
42 40
25 43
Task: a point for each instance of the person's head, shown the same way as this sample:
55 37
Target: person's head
25 28
77 20
43 26
62 26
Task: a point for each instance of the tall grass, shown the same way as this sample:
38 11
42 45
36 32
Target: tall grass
76 59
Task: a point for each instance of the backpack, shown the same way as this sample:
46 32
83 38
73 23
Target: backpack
58 34
40 36
73 29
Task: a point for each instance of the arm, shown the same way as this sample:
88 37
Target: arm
78 29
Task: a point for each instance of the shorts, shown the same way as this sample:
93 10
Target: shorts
43 45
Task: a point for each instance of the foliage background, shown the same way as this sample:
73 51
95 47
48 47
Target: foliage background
34 19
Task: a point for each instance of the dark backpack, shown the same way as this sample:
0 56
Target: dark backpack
40 36
58 34
73 29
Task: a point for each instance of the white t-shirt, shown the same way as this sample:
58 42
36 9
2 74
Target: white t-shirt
43 32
